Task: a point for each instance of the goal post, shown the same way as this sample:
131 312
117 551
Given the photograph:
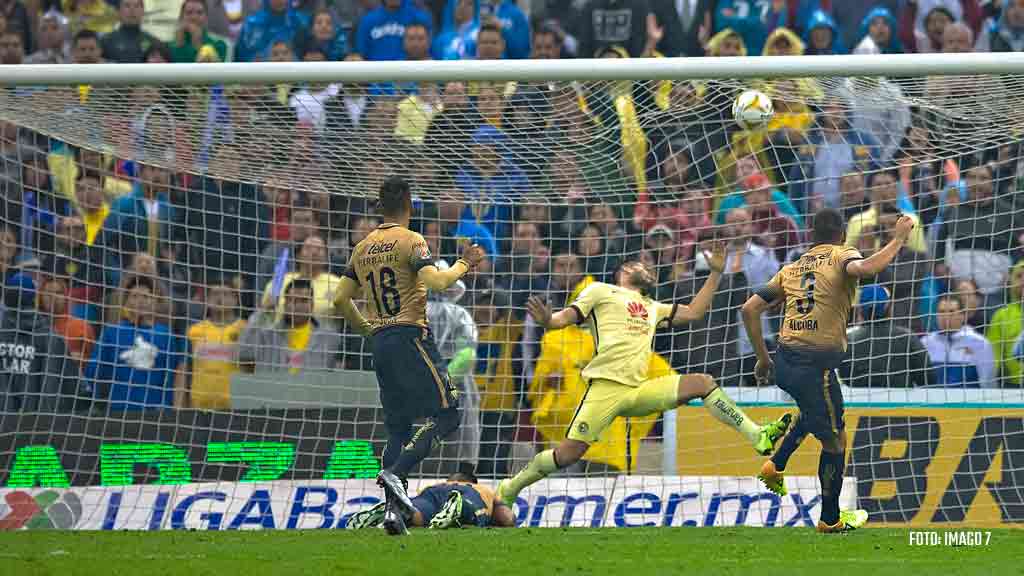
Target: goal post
159 220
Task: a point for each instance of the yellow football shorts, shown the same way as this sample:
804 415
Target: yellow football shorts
606 400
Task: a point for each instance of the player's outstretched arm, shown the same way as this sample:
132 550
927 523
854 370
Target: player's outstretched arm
438 280
698 307
878 261
344 306
753 308
540 310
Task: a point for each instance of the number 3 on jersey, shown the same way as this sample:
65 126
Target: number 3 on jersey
804 306
388 301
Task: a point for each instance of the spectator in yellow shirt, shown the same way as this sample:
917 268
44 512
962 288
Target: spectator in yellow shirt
497 376
95 15
205 383
311 263
884 211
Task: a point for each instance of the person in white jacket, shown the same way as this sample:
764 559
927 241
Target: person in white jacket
456 336
878 108
960 356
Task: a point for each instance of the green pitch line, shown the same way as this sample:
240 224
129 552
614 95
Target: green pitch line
521 552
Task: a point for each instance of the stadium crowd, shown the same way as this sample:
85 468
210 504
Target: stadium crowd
129 285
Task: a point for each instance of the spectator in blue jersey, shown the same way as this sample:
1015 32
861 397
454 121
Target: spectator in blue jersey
960 356
457 40
834 149
382 32
750 22
490 181
821 35
514 26
878 30
141 217
276 22
848 15
132 366
326 37
1005 34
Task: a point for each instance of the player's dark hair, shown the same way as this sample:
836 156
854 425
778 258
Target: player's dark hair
829 227
394 196
463 476
623 264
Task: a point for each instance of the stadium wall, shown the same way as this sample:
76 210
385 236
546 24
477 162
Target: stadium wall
914 465
620 501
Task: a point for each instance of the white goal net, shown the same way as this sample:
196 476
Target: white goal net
151 375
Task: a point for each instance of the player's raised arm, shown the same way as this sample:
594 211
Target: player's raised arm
344 306
753 308
698 307
438 280
878 261
541 311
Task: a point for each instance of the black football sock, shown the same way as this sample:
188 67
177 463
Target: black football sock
830 474
398 436
789 444
425 440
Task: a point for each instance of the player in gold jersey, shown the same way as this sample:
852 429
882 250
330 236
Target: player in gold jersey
394 268
623 320
816 293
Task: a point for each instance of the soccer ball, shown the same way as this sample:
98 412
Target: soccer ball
752 109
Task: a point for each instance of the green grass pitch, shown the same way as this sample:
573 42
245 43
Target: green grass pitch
521 552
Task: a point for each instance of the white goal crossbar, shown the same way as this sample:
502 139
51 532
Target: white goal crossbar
520 70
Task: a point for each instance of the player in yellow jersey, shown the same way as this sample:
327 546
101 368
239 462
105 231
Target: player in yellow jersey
623 320
394 268
816 292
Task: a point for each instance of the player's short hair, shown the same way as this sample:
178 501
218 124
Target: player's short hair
394 195
463 476
623 264
829 227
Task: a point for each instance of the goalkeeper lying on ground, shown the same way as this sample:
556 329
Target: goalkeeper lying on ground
459 502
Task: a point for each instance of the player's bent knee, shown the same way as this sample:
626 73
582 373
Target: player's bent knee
706 383
569 452
695 386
